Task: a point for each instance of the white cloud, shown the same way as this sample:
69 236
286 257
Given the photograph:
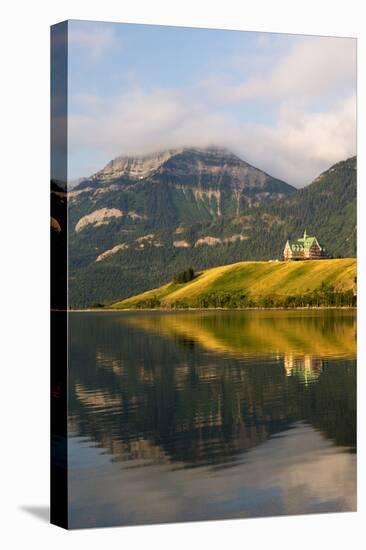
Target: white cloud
296 148
301 145
315 67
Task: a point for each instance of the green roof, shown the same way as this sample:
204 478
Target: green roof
303 243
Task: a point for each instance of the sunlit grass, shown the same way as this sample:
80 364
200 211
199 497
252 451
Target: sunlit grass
256 279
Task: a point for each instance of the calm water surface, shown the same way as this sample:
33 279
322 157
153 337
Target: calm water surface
196 416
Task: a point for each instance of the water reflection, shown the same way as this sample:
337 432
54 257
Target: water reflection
254 407
306 367
317 332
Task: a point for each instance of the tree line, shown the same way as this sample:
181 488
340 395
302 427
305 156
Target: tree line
325 296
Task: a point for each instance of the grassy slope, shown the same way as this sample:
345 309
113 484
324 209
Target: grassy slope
256 279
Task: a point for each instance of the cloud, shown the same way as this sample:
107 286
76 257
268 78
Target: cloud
311 90
95 40
301 144
314 68
296 148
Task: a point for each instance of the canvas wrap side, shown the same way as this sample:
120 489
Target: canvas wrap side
59 478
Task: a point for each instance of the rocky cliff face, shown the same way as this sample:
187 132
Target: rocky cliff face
219 165
138 167
191 165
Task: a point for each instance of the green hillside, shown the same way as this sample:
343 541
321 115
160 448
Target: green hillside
258 284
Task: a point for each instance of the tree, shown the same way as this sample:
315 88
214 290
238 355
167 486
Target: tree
184 276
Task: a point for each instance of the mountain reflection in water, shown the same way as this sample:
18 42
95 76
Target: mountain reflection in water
190 415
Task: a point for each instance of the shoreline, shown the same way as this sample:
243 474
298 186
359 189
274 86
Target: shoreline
202 309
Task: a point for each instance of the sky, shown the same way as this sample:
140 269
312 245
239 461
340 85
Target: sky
284 103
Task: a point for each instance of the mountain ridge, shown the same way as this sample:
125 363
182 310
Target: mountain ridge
184 162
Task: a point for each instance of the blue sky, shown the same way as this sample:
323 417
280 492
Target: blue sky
285 103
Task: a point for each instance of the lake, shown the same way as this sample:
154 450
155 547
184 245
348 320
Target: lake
210 415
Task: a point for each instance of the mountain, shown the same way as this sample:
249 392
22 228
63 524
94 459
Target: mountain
183 185
139 220
253 284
